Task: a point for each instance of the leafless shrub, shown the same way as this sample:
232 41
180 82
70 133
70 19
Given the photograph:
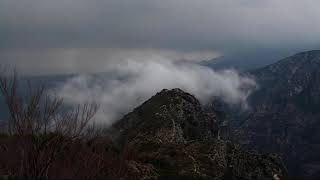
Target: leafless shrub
43 126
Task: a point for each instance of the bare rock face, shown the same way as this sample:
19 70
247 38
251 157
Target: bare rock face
173 138
176 113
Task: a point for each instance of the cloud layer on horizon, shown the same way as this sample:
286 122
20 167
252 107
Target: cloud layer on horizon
54 61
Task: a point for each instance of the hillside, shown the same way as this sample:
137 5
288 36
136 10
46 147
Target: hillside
285 114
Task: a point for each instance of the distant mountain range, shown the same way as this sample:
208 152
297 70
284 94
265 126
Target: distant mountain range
246 60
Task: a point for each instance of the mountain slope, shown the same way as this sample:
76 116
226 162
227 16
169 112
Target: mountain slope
285 115
173 136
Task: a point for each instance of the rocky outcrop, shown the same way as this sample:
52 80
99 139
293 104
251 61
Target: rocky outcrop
171 111
172 137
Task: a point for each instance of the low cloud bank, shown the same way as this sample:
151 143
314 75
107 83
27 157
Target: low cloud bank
128 84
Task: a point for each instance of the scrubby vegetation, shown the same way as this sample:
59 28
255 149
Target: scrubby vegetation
40 139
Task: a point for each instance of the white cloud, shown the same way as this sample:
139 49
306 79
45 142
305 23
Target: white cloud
133 82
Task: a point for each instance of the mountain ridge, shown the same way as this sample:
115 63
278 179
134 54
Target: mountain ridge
285 115
171 133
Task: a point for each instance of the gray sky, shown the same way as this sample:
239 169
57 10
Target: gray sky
53 36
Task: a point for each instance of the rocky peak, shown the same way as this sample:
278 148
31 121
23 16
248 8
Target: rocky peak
172 113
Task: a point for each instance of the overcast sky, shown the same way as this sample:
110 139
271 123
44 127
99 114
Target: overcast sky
58 36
